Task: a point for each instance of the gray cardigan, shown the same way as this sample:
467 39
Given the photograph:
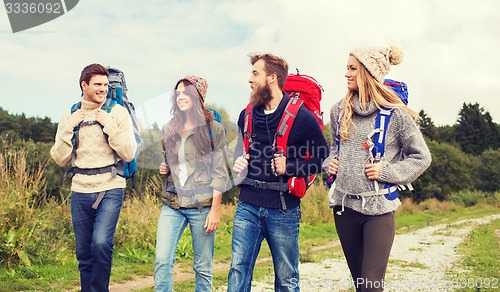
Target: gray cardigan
406 158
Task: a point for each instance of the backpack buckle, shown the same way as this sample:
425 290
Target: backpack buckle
260 184
92 171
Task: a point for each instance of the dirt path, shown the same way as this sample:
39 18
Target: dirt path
419 261
148 282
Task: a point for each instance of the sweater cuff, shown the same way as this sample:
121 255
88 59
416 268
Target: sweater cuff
219 184
384 172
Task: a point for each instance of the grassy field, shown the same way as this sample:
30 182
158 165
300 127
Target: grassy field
134 257
479 269
479 252
37 241
324 233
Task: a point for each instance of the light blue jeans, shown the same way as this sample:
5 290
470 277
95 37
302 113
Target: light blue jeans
94 234
171 225
280 228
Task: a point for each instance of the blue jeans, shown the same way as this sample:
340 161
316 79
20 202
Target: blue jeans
171 225
94 234
280 228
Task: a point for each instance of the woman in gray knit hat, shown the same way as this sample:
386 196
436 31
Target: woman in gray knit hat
364 195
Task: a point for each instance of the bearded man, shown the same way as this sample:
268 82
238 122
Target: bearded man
265 210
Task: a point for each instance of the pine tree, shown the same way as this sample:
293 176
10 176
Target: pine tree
427 126
475 131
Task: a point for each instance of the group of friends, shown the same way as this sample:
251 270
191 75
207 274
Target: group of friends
196 174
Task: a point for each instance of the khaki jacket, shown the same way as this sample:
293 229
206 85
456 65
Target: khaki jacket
205 172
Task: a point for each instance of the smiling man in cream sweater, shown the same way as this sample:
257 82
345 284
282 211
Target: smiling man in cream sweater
97 192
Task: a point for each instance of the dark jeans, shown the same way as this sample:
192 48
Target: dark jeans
367 242
280 228
94 234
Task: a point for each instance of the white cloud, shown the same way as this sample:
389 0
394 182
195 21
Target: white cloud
450 49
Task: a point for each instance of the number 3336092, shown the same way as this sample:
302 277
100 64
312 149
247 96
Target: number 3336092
32 8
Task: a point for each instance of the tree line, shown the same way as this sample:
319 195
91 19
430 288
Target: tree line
466 155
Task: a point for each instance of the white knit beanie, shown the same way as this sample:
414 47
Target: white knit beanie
378 60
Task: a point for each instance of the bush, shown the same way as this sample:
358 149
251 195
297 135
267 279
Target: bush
408 207
314 206
35 229
135 236
488 171
450 171
433 205
468 198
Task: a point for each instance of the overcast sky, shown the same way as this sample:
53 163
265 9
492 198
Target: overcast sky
451 50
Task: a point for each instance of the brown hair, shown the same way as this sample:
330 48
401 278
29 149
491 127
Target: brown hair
91 70
201 116
273 65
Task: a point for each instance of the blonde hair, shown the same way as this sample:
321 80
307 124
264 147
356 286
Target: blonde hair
368 89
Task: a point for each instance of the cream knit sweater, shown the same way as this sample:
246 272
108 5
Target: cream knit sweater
93 151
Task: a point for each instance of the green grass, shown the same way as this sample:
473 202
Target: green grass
37 253
406 264
60 277
315 235
312 236
40 278
65 277
479 268
124 270
407 222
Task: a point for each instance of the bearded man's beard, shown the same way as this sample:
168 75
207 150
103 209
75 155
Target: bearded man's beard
261 96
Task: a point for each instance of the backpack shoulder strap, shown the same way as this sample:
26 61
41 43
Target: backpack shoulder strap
286 122
381 122
76 107
210 135
108 105
247 128
379 138
337 131
216 114
74 140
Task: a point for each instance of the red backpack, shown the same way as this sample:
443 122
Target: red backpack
308 90
303 90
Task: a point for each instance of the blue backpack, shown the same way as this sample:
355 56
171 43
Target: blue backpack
218 118
400 88
117 94
378 147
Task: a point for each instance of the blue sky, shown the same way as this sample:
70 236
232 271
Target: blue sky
451 50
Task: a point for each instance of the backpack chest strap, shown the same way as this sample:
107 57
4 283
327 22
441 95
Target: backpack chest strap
192 192
75 140
116 168
275 186
363 196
